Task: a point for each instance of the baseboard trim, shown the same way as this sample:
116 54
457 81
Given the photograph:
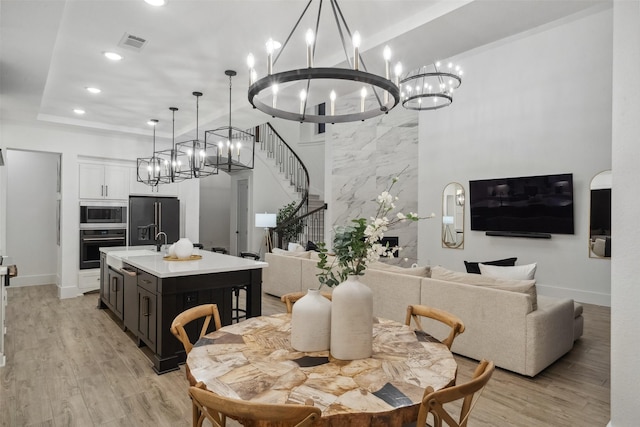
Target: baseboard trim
68 292
596 298
41 279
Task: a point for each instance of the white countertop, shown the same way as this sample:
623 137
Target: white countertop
211 262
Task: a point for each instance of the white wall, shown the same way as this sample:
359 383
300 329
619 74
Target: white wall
215 202
73 142
31 206
625 329
538 103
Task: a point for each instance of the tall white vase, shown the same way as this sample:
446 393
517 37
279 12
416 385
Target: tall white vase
311 322
351 320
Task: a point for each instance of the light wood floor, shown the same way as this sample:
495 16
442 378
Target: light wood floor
69 364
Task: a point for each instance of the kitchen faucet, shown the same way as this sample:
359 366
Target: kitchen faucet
159 245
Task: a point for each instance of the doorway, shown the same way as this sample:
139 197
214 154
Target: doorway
242 216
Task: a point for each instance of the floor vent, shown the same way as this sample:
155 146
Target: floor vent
132 42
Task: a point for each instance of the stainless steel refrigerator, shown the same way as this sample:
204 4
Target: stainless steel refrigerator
150 215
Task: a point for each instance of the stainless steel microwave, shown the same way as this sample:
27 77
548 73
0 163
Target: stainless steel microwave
103 214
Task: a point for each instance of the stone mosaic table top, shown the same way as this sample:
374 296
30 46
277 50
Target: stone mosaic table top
253 360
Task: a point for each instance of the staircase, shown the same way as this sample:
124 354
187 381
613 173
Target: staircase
308 217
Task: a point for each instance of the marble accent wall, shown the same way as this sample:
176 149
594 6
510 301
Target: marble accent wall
362 159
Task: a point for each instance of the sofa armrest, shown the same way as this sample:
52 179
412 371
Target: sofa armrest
549 333
283 275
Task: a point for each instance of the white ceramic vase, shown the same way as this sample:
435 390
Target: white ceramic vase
311 322
183 248
352 320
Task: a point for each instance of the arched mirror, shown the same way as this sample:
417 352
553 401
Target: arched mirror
453 216
600 216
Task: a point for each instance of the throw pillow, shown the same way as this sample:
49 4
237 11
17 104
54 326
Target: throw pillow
472 266
412 271
518 272
311 246
296 254
521 286
295 247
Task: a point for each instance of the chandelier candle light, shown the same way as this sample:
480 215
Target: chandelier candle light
430 87
317 82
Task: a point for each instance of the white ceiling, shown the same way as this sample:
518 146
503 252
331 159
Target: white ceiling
52 49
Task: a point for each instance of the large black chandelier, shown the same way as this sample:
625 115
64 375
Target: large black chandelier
149 167
430 87
200 156
363 95
234 148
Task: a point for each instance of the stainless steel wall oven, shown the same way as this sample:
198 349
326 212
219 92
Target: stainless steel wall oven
91 240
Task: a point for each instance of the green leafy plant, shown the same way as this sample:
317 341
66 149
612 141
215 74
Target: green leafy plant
357 244
292 230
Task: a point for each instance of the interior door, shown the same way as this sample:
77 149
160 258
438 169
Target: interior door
243 215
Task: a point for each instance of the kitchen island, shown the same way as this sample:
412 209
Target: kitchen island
145 292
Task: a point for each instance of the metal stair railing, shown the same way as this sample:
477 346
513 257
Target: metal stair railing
291 166
311 227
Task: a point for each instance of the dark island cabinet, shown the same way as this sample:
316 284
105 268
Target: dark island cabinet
147 309
151 303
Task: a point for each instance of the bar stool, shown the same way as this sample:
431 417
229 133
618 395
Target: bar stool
219 250
237 312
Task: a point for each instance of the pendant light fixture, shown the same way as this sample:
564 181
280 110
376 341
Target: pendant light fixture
234 147
430 87
358 94
201 157
172 161
149 167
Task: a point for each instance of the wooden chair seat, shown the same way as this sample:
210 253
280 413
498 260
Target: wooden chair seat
215 408
206 312
433 401
290 298
417 311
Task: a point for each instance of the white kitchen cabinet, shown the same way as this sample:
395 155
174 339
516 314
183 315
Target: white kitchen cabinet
89 280
138 188
102 181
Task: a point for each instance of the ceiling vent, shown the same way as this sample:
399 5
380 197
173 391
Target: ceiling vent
132 42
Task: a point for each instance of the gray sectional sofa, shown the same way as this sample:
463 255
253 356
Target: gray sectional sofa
501 325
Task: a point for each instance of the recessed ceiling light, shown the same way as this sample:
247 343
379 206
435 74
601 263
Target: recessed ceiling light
94 90
113 56
78 111
156 2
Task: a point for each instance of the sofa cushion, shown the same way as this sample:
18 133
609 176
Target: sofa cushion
521 286
473 267
412 271
298 254
517 272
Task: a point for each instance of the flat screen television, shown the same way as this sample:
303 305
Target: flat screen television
528 204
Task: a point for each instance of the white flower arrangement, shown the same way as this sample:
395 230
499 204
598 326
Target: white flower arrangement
359 244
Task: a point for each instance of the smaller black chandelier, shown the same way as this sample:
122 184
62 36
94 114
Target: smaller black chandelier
149 167
200 156
430 87
173 162
263 94
234 148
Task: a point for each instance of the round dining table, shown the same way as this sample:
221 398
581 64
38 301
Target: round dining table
254 361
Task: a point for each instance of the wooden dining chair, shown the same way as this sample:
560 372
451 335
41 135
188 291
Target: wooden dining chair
290 298
216 409
417 311
206 311
433 401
